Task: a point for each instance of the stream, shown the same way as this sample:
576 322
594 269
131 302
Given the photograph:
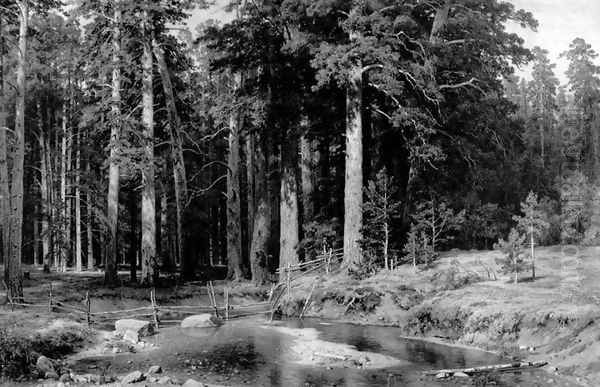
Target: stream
253 352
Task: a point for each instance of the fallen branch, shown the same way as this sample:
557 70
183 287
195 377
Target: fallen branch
519 366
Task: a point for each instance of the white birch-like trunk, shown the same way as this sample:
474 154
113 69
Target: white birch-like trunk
110 275
148 189
78 239
89 226
60 263
234 210
44 194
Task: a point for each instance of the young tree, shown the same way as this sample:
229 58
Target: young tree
438 220
381 208
512 247
532 222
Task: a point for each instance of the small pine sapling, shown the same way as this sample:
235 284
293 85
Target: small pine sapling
379 211
532 223
438 220
418 248
512 248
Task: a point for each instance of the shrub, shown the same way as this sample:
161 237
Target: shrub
16 354
512 247
454 278
418 248
320 235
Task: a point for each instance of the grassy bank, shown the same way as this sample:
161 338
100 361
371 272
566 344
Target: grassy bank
465 300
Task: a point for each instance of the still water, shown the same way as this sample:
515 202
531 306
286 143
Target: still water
250 352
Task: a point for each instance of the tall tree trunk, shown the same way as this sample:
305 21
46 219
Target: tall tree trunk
89 224
149 269
133 238
165 252
234 236
288 213
4 189
179 172
250 194
14 279
110 269
353 189
78 239
63 195
262 218
307 166
44 193
36 236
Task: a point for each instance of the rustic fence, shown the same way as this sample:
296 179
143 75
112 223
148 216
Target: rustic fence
152 312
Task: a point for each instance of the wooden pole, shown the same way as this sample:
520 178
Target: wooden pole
88 308
50 299
154 308
289 295
226 304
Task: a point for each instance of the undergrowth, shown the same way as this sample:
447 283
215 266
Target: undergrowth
19 352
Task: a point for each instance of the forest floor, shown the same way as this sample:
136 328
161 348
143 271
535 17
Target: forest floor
462 300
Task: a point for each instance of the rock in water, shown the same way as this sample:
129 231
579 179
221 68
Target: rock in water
201 321
142 328
134 377
131 336
154 370
45 365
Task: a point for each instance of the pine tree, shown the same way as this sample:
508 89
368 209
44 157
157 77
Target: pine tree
380 210
532 223
512 247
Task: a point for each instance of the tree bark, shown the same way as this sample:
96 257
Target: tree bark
111 277
179 172
307 166
61 263
14 280
250 194
149 269
289 224
262 218
353 195
133 237
44 193
78 239
234 236
89 225
4 189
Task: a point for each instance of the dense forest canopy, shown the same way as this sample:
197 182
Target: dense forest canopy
389 130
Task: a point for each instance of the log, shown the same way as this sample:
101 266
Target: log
510 367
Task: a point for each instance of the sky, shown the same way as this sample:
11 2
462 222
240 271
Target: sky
560 21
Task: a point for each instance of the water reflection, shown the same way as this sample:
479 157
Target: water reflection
247 353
